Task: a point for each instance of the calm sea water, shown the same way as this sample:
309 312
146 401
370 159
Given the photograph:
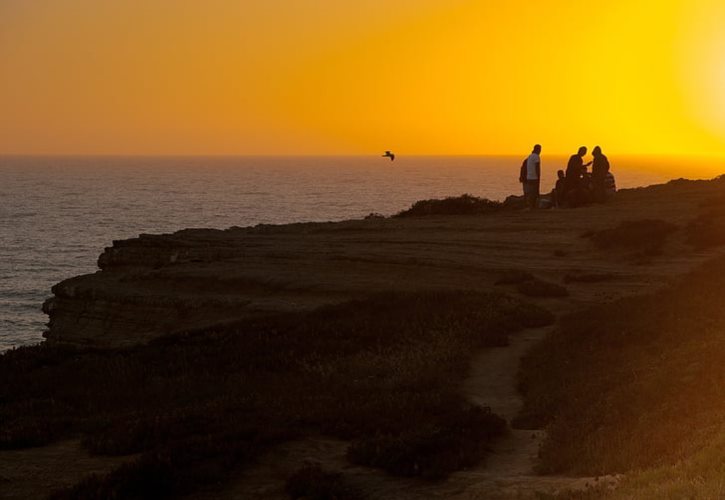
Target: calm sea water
58 213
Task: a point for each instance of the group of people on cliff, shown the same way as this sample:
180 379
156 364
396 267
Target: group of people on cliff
575 187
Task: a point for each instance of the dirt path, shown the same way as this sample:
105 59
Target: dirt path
510 468
507 472
493 383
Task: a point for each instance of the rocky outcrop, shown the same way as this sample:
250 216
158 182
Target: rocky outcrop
114 310
193 279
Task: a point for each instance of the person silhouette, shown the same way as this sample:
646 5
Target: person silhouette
600 169
575 190
559 189
531 177
576 168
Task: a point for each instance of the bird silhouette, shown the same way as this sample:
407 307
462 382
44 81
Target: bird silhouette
390 155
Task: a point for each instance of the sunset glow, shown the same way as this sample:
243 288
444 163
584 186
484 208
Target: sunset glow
332 77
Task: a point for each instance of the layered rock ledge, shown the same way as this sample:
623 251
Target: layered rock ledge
195 279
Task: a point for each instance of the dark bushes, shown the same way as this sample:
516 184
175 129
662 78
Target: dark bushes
313 483
632 384
707 230
540 288
514 277
432 452
580 277
201 404
458 205
646 235
529 285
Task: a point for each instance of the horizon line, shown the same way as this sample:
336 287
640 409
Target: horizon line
336 155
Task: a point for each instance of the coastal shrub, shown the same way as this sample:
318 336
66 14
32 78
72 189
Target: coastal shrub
312 482
145 478
213 401
177 468
633 384
513 277
454 205
540 288
29 432
432 452
588 277
707 229
529 285
645 235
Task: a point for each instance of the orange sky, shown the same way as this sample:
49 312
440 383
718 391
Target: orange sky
338 77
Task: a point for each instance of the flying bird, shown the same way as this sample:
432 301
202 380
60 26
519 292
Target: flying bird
390 155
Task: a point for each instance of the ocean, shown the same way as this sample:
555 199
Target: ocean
58 213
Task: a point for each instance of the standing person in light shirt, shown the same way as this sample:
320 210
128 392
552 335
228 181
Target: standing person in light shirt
533 178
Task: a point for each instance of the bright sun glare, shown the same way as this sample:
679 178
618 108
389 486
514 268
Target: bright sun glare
331 77
703 65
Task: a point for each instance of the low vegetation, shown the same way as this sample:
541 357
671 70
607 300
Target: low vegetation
579 277
530 285
707 230
312 482
539 288
195 407
514 277
431 452
646 235
637 385
454 205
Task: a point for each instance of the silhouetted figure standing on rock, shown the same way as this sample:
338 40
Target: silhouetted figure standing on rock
559 189
575 168
600 169
531 178
576 194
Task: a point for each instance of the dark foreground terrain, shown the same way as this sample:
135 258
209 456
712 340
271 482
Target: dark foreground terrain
637 384
190 358
382 373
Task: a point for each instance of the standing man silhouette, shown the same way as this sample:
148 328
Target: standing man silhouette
533 178
600 169
576 192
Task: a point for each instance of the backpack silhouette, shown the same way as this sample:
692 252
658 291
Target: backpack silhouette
524 170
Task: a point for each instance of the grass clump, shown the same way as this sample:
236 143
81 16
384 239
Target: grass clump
645 235
312 482
635 384
514 277
197 406
432 452
539 288
580 277
454 205
529 285
707 230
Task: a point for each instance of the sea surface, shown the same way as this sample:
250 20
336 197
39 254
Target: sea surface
58 213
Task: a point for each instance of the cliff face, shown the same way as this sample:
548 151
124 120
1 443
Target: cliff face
197 278
154 285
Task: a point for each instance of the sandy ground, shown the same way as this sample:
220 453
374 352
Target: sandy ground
306 265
